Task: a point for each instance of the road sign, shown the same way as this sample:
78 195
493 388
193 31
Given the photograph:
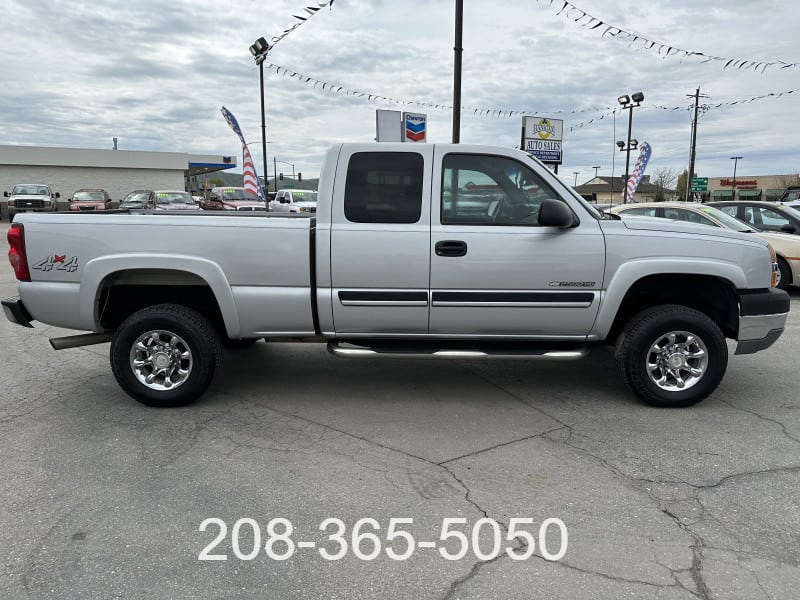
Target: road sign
699 184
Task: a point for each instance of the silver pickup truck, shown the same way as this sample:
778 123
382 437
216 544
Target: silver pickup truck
433 251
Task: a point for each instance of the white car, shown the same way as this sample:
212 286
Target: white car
296 201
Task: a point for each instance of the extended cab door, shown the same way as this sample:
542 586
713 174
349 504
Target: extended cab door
380 240
494 270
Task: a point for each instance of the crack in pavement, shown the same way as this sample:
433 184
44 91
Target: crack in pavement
763 418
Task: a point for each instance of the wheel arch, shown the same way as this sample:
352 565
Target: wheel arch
155 279
711 295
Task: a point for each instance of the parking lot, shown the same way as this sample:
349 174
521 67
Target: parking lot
103 497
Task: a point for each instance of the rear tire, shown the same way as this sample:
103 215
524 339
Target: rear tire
672 355
165 355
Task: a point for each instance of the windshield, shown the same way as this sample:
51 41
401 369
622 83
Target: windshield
136 197
235 194
89 196
727 220
304 196
31 190
790 210
173 198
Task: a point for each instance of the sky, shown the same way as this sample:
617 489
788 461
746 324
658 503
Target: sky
154 75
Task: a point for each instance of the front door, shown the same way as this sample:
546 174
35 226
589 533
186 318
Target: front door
494 271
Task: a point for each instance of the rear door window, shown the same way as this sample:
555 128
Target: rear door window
384 187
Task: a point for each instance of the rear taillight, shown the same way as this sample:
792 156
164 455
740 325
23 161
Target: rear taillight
16 252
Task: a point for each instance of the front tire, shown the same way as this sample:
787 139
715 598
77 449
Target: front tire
672 355
784 274
165 355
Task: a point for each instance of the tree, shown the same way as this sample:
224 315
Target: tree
681 188
788 180
663 180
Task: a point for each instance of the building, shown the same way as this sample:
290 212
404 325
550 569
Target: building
608 190
761 187
116 171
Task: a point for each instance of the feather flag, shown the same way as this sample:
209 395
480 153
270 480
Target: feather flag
638 170
251 181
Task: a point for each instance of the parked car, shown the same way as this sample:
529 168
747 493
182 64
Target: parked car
136 199
171 200
30 197
786 246
85 200
230 198
767 216
296 201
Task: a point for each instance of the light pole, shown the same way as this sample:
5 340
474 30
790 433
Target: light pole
595 170
735 160
576 173
628 103
259 50
457 51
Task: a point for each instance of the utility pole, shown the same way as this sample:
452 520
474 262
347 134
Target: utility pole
693 148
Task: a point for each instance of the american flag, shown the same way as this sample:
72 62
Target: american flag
638 170
251 181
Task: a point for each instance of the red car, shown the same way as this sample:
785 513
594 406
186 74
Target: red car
84 200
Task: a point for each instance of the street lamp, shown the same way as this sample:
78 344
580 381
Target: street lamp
259 50
595 170
576 173
735 160
628 103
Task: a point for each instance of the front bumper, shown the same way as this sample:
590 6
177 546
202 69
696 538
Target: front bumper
16 312
762 318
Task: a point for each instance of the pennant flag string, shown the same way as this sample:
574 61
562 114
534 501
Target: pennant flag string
496 112
310 10
340 89
583 19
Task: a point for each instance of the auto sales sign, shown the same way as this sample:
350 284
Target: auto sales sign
542 138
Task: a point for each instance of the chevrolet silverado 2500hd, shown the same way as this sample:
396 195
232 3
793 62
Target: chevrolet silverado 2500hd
436 251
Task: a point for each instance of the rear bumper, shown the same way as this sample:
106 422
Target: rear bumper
16 312
762 318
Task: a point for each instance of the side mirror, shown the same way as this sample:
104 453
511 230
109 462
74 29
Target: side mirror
57 195
788 228
554 213
5 194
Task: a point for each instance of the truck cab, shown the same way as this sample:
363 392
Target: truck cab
31 197
295 201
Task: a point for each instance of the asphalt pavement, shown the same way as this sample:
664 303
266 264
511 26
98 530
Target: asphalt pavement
103 497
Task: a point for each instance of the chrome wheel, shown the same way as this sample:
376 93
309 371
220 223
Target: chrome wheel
677 360
161 360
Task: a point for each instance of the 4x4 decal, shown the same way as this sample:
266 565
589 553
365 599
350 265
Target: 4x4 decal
59 262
